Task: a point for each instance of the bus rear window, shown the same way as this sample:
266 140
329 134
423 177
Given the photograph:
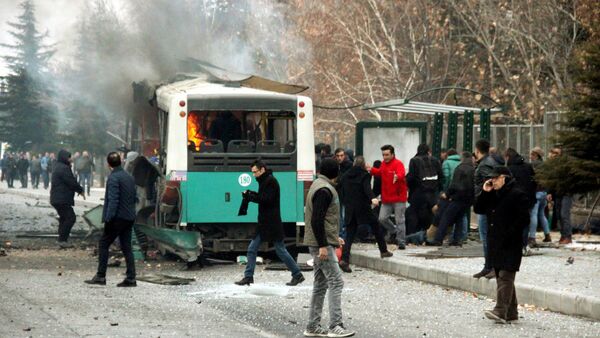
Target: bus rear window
241 132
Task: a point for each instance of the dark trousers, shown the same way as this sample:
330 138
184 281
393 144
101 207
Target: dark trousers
23 178
506 295
35 179
10 177
453 214
419 215
46 178
122 229
85 180
65 222
351 230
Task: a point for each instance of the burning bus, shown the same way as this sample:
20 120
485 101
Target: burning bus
211 127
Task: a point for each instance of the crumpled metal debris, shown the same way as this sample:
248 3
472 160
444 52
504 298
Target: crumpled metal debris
165 279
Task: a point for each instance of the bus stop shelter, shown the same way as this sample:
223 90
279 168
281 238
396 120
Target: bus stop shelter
438 111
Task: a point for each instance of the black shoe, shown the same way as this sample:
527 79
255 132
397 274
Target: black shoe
245 281
494 316
491 275
453 243
386 254
345 267
433 243
296 280
482 273
127 283
96 280
401 246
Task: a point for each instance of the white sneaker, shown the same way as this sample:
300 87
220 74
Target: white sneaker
318 332
340 331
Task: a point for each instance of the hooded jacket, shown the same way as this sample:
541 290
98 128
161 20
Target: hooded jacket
524 176
356 196
392 192
448 168
64 185
270 227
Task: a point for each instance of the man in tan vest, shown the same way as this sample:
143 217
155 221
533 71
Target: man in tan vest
322 218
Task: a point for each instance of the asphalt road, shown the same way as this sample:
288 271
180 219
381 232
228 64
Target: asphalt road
42 294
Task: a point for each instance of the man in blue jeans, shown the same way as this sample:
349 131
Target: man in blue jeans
270 227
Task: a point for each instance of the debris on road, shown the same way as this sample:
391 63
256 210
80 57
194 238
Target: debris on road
165 279
2 252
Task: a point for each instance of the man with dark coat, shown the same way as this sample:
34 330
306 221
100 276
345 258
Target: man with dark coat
22 168
357 199
507 211
64 186
425 181
35 171
524 178
11 170
118 216
460 196
269 227
485 164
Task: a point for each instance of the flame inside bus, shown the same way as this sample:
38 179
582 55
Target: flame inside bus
194 131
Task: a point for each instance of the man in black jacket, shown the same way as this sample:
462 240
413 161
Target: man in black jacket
460 196
357 199
524 178
425 181
485 165
270 227
22 168
64 186
118 216
507 211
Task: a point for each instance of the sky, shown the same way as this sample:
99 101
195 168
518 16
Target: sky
57 17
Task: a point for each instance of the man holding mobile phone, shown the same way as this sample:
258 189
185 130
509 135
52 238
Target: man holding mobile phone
507 210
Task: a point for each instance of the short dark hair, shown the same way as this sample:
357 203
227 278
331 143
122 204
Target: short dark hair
423 148
466 155
329 168
388 147
337 150
511 153
113 159
326 149
259 164
483 146
451 152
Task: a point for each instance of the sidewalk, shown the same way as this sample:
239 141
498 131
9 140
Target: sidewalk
96 198
545 279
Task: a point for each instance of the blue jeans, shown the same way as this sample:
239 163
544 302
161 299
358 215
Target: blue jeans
562 207
85 180
454 214
281 252
483 230
537 214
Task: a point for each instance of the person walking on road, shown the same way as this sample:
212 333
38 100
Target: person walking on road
35 170
322 217
46 170
118 216
507 210
64 186
357 199
270 227
561 209
22 169
84 170
394 195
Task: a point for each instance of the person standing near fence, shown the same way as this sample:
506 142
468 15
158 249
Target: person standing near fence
35 170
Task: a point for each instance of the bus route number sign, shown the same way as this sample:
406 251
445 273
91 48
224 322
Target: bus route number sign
244 180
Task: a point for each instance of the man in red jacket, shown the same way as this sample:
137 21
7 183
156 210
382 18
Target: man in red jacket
394 194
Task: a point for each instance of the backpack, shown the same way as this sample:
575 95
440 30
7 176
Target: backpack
428 175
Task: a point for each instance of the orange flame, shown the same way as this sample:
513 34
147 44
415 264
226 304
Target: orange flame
194 130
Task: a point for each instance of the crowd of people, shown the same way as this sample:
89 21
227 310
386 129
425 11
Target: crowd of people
431 198
31 168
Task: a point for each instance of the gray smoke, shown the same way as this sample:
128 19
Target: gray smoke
147 39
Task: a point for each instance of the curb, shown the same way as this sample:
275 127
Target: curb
87 204
563 302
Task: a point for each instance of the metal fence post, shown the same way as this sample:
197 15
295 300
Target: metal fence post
484 123
468 131
452 130
438 128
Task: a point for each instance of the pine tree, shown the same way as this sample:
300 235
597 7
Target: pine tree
578 170
28 118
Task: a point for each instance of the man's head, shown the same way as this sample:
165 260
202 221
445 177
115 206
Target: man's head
326 150
555 152
536 154
329 168
85 153
113 159
498 176
423 149
482 148
451 152
258 168
340 155
465 157
359 161
510 153
387 152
